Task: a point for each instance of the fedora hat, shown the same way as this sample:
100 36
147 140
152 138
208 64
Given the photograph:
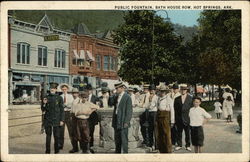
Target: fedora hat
75 90
163 88
64 85
119 84
131 89
104 89
53 85
183 86
152 87
175 86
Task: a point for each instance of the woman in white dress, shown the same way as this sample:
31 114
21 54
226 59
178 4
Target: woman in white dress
228 108
217 109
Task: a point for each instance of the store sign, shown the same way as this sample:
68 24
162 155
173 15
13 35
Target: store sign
51 37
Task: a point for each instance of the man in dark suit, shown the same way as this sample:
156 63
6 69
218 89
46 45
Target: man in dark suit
122 115
93 119
53 117
182 105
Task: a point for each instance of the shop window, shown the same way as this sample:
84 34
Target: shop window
59 58
23 53
42 55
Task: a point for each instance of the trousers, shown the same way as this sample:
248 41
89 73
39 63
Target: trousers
68 123
180 127
121 140
48 131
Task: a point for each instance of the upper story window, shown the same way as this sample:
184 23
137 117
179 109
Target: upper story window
59 58
42 55
106 63
98 62
23 53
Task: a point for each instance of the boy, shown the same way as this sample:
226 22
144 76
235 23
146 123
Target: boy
197 116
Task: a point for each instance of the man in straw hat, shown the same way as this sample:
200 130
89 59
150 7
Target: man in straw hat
164 121
122 115
82 112
131 91
182 105
67 104
53 117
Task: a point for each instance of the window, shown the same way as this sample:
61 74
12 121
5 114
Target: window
23 53
106 63
112 63
42 55
98 62
59 58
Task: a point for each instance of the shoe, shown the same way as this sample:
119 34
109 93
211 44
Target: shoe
73 151
57 152
177 148
91 150
188 148
47 152
60 147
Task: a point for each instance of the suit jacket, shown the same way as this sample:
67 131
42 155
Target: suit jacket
124 112
93 118
54 111
182 110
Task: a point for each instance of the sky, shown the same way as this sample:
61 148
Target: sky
183 17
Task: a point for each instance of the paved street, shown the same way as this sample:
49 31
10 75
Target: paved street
25 137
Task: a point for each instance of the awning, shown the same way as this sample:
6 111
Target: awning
90 56
75 54
17 77
36 78
82 54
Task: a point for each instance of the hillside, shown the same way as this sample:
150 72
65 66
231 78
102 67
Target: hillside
96 21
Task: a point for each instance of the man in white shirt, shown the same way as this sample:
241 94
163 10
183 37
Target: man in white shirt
152 108
132 95
165 116
67 104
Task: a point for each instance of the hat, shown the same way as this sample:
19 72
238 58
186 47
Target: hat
136 90
163 88
170 85
131 89
89 87
84 95
160 84
152 87
75 90
53 85
119 84
183 86
104 84
64 85
104 89
146 86
175 86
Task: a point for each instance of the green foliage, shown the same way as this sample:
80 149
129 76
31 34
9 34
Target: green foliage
95 21
220 42
208 105
186 32
147 41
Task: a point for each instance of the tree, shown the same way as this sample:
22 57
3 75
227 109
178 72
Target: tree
220 42
149 48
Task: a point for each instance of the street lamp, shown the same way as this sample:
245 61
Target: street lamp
166 19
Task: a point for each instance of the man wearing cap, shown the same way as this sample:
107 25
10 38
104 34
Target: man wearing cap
82 111
122 115
182 105
164 120
144 103
75 94
93 119
67 104
53 117
152 107
173 94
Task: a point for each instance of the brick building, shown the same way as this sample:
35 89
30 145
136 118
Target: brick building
93 58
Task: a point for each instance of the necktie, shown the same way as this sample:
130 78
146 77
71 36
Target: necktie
64 100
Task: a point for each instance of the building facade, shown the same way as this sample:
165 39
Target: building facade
38 54
93 58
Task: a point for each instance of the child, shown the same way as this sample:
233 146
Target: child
197 115
217 109
228 108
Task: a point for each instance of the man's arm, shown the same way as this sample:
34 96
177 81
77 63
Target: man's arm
61 108
128 111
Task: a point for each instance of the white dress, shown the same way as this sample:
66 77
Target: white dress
217 106
227 108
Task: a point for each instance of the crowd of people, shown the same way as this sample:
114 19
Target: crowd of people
169 110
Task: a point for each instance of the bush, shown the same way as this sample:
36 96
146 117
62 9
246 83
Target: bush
208 105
